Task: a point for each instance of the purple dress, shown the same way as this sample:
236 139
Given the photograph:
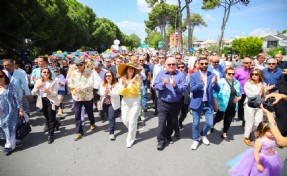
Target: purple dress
269 159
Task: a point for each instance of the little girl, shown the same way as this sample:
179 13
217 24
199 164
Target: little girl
263 160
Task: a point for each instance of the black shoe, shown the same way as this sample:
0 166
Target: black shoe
50 139
7 151
177 135
155 113
225 138
19 143
45 127
243 123
211 130
145 109
180 126
170 141
160 147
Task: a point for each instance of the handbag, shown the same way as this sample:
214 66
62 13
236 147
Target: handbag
23 130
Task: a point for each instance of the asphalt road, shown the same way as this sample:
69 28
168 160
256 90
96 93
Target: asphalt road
95 154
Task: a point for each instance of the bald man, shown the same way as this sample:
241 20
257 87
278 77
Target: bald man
280 63
242 75
272 75
170 84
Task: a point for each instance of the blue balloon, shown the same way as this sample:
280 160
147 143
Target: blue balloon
191 50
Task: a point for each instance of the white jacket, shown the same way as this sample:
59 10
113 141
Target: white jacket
115 97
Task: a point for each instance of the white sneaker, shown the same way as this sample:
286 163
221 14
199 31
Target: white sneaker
205 140
194 145
112 137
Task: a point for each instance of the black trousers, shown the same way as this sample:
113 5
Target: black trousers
240 107
183 111
227 116
78 108
167 112
50 115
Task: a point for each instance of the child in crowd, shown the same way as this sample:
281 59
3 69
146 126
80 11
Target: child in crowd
263 160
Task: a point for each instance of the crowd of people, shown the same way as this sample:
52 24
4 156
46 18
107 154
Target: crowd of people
203 83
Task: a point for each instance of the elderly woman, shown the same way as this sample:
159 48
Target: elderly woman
227 98
47 90
129 88
254 87
10 111
110 100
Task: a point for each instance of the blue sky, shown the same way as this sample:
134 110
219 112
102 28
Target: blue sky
259 18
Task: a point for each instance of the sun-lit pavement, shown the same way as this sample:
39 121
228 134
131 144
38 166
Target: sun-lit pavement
95 154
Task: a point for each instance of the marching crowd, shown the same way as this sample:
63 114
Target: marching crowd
203 83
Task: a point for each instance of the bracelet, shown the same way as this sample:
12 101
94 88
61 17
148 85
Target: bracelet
272 124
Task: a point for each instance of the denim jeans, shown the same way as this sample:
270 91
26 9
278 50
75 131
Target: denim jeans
110 112
78 109
144 96
208 112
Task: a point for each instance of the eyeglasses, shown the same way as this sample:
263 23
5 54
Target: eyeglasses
108 75
1 76
178 58
216 62
107 61
46 72
254 74
141 60
156 60
79 65
203 63
173 64
180 67
247 62
271 63
231 74
130 55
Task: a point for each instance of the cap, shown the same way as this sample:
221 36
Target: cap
79 60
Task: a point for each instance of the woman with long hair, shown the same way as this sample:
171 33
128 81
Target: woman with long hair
47 90
254 87
129 88
10 111
110 100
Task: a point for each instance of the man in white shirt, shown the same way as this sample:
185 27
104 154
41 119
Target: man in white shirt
259 62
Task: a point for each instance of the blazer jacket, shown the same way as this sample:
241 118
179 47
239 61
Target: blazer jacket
196 88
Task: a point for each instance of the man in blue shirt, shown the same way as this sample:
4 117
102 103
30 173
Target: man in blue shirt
170 84
272 75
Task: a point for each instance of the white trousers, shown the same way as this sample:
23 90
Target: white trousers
130 113
252 116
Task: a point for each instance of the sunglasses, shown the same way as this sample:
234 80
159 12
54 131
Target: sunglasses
46 72
155 60
231 74
1 76
79 65
171 64
254 74
141 60
108 75
271 63
247 62
56 71
178 58
180 67
216 62
130 55
203 63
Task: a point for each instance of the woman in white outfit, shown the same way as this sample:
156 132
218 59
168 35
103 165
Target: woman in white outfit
110 100
129 88
254 87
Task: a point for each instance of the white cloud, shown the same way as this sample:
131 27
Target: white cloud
143 6
129 27
262 32
210 18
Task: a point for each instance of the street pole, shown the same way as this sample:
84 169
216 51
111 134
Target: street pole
174 37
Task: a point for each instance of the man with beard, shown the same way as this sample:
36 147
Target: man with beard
202 84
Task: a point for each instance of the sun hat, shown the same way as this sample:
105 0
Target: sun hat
123 67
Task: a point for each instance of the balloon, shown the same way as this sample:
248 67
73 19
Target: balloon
59 52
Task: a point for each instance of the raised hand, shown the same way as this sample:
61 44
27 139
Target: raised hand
164 81
172 82
214 79
202 80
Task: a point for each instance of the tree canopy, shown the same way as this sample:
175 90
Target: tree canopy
249 46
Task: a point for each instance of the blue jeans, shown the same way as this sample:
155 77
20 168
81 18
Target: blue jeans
110 112
208 112
144 95
78 109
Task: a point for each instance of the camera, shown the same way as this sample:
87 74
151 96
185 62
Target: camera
254 102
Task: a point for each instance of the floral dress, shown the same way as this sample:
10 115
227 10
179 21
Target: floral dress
10 102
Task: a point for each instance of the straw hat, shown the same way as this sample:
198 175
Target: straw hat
123 67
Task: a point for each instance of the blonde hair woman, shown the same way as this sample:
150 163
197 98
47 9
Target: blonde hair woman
129 88
254 87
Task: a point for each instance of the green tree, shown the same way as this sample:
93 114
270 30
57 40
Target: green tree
276 50
212 48
162 16
226 5
153 38
136 41
249 46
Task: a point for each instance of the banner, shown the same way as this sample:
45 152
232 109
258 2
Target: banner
174 40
